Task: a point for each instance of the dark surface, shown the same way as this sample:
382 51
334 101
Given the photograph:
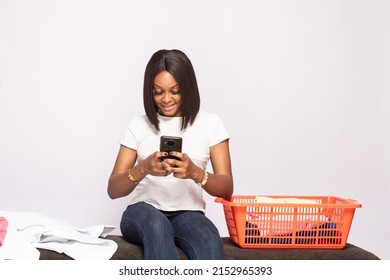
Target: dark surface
128 251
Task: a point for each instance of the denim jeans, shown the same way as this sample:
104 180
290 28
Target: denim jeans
159 232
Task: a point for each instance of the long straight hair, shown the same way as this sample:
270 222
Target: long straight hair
180 67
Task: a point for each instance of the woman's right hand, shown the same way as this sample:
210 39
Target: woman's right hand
119 184
154 166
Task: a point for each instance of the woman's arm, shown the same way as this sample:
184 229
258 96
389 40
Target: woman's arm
221 182
119 184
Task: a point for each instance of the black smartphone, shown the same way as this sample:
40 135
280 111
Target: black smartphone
169 144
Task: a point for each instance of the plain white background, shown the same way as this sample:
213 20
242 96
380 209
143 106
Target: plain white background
302 86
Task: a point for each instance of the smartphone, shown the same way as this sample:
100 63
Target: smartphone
169 144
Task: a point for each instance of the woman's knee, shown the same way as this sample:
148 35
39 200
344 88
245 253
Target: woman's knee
144 221
198 237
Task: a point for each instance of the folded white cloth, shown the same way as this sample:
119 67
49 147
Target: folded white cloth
284 200
280 219
46 233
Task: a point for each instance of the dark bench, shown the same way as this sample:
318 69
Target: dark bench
128 251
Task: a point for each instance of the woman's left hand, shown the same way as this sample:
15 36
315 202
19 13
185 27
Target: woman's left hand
183 168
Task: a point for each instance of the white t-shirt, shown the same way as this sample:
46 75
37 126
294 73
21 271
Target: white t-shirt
170 193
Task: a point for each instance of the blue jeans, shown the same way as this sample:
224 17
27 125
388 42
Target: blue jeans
159 232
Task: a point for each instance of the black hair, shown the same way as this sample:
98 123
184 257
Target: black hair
180 67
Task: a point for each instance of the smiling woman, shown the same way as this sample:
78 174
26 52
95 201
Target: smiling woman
167 208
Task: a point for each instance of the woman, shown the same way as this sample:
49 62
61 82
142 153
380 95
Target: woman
167 207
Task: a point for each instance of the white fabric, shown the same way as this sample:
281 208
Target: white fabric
30 230
16 247
282 200
283 220
169 193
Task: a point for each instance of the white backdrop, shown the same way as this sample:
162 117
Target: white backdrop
303 88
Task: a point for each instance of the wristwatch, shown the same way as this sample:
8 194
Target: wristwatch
204 180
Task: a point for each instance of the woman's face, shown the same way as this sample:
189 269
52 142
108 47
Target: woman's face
167 95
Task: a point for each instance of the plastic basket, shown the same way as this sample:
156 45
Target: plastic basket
325 224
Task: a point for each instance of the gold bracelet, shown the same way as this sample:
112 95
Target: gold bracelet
204 180
131 178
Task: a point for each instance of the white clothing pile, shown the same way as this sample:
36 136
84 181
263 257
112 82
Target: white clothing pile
28 231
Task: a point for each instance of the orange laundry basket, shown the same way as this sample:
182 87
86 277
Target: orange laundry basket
323 224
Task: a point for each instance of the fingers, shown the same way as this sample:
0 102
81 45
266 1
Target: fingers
160 167
157 156
177 155
180 165
163 172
